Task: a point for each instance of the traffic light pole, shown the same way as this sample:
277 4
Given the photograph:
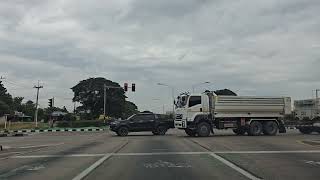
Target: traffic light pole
105 96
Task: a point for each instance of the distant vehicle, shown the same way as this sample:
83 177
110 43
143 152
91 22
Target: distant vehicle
199 114
307 114
145 121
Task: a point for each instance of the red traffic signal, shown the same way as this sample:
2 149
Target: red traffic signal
133 87
125 87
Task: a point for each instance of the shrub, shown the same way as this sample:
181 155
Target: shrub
79 124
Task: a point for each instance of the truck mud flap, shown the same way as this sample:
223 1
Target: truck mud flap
282 128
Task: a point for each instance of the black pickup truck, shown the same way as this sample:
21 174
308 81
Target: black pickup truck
155 123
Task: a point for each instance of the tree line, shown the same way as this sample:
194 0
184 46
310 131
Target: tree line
89 93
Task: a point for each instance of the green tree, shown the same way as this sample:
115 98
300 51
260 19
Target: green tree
129 109
5 100
225 92
17 104
90 93
4 108
29 108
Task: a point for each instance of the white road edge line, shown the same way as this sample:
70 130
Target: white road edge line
91 168
38 146
166 153
235 167
58 156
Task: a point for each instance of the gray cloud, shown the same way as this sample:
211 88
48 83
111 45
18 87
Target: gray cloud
253 47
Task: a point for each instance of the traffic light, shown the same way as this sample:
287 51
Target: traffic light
133 87
51 102
125 87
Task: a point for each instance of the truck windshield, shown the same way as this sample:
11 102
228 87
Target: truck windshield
194 100
181 101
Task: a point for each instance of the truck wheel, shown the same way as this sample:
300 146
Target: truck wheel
203 129
240 131
123 131
162 130
270 128
189 132
306 130
255 128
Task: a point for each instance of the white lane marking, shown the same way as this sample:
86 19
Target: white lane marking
9 153
87 171
37 146
166 164
91 168
160 149
313 162
235 167
159 153
167 153
58 156
36 168
267 152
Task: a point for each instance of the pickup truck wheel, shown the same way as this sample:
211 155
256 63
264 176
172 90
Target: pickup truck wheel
255 128
203 129
270 128
162 130
123 131
240 131
189 132
306 130
154 132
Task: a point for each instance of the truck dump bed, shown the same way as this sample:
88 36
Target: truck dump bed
251 106
307 109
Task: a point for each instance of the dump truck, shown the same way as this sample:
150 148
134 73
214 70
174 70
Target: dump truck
200 114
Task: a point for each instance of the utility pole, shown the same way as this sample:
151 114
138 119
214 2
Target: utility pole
38 87
104 102
317 101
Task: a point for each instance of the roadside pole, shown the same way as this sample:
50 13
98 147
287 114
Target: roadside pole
104 102
5 121
38 87
317 102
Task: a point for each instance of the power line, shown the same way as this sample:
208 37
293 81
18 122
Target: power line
16 84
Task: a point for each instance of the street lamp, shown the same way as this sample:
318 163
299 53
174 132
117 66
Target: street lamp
172 91
194 86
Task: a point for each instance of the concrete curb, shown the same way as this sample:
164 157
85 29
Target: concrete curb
55 130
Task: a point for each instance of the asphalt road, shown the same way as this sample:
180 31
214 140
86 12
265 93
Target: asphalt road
102 155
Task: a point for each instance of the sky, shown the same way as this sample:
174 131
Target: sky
266 47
